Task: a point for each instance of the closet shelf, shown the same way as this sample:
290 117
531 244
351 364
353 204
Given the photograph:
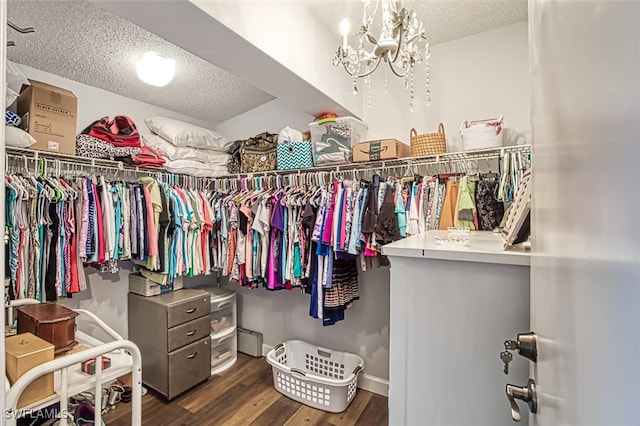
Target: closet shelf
447 158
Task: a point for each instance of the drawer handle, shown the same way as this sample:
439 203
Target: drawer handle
191 333
190 311
192 356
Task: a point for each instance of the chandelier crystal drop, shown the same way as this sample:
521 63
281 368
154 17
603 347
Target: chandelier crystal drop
401 45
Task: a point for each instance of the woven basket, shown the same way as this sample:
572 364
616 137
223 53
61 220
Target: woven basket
428 143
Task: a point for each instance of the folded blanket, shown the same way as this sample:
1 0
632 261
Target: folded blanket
195 168
172 152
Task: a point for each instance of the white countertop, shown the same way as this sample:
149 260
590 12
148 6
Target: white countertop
483 247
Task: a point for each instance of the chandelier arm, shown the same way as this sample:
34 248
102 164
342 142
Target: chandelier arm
420 34
352 74
395 56
393 70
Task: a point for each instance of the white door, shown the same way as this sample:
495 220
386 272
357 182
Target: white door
585 275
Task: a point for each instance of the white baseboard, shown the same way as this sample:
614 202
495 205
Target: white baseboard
365 381
374 384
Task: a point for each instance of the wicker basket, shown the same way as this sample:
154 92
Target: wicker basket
428 143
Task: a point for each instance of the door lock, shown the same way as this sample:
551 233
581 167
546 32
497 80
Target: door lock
527 394
526 344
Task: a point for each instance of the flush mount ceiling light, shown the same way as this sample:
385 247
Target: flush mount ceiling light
155 69
401 45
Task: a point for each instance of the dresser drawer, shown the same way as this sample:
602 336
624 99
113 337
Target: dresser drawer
189 366
187 310
186 333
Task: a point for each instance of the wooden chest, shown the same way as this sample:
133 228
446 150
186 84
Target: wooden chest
23 352
51 322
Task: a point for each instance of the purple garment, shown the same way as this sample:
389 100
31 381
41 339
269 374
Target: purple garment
90 247
343 255
277 219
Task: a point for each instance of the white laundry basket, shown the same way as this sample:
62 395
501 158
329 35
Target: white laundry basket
321 378
482 134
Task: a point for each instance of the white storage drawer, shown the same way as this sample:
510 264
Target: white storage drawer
223 312
222 349
222 320
224 302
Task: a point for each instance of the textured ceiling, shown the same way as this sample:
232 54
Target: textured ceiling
445 20
79 41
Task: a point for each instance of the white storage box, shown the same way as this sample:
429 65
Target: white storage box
143 286
483 134
222 350
321 378
333 140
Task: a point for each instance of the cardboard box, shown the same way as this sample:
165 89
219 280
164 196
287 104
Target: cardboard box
383 149
50 115
23 352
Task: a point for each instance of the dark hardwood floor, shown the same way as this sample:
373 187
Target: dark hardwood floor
244 395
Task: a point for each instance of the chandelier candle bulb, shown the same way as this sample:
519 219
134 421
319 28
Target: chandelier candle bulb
344 31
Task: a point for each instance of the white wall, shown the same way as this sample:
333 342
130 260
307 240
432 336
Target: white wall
94 103
476 77
288 32
270 117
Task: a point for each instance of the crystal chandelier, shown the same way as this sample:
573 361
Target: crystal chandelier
402 44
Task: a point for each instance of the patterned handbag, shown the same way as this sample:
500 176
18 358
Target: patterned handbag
295 155
259 154
233 165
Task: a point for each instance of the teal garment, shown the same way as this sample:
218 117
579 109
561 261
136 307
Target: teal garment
297 264
401 212
14 233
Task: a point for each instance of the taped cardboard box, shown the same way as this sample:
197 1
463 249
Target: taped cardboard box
49 114
383 149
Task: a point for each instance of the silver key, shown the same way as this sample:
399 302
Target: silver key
506 358
510 345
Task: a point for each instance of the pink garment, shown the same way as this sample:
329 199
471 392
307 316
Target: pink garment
343 221
328 223
272 281
152 232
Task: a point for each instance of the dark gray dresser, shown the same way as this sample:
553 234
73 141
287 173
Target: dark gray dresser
172 331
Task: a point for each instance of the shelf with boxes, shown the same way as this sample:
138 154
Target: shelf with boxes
445 160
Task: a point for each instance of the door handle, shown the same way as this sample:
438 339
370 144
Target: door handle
190 311
191 333
527 394
193 355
